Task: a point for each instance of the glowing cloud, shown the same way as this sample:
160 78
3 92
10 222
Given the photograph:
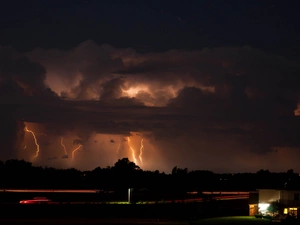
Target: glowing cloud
297 111
189 91
133 91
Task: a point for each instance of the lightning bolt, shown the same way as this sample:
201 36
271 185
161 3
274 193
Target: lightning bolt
62 144
118 148
141 151
35 141
75 150
133 155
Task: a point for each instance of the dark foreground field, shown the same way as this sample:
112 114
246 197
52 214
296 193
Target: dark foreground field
169 211
245 220
160 213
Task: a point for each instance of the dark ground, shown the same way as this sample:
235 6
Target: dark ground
91 221
146 214
13 213
244 220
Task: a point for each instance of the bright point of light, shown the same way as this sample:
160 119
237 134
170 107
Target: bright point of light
263 206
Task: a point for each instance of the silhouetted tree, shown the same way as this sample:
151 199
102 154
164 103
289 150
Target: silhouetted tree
125 165
126 174
274 208
179 171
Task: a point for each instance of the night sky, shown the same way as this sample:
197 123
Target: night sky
206 84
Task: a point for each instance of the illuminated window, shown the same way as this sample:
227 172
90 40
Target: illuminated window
285 211
293 211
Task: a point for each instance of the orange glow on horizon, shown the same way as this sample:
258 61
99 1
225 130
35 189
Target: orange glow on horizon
75 150
35 141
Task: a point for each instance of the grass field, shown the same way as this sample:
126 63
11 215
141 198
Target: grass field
241 220
232 220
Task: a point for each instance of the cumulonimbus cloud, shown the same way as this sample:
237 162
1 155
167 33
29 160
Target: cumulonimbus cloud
199 100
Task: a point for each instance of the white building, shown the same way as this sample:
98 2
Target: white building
288 202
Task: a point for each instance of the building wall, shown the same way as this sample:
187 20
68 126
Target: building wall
288 199
268 196
253 198
287 195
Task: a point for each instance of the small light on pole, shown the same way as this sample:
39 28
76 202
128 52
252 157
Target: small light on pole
129 194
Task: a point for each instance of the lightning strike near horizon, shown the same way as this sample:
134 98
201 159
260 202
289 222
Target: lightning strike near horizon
35 141
132 151
141 151
62 144
118 148
75 150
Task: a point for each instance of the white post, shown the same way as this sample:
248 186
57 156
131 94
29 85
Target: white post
129 190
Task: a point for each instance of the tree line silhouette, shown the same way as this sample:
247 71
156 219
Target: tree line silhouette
126 174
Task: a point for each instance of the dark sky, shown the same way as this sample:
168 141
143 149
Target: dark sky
152 25
199 84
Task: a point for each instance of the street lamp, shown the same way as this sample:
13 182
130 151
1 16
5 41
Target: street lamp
129 194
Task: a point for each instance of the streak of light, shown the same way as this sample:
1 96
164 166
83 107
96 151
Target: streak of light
118 148
132 151
35 141
141 151
62 144
75 150
225 192
25 146
48 190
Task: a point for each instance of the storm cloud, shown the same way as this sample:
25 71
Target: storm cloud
222 109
